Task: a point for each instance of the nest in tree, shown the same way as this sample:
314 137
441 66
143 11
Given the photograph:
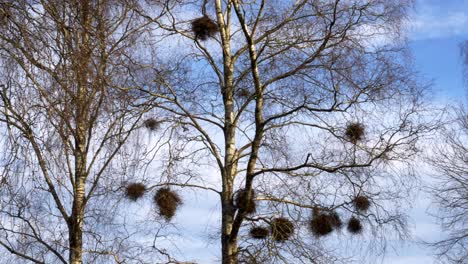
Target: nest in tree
354 132
151 124
320 225
167 201
354 225
134 191
5 12
259 232
204 27
361 203
335 220
282 229
323 224
243 92
241 201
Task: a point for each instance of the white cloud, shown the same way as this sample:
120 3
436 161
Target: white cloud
430 23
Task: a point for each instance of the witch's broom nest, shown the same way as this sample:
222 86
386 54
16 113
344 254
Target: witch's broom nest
241 202
259 232
320 225
335 220
361 203
204 27
151 124
281 229
167 202
354 132
354 225
5 12
323 224
135 190
243 93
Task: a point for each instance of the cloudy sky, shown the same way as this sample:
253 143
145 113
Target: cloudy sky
436 29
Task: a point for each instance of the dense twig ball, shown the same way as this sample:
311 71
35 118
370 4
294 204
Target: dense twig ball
282 229
321 225
355 132
204 27
5 8
354 225
241 201
335 220
259 232
361 203
134 191
4 13
167 201
243 92
151 124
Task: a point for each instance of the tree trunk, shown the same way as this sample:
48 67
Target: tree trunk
75 225
82 62
229 252
229 170
77 217
229 241
76 229
228 244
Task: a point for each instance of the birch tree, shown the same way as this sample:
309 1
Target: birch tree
301 107
307 112
67 111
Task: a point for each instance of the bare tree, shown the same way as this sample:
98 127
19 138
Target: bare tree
450 189
307 109
67 109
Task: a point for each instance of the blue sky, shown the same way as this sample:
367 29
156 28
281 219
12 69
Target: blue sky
439 60
436 29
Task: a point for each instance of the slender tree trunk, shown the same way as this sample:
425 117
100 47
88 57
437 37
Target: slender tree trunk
77 216
76 226
229 170
230 251
82 62
228 244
